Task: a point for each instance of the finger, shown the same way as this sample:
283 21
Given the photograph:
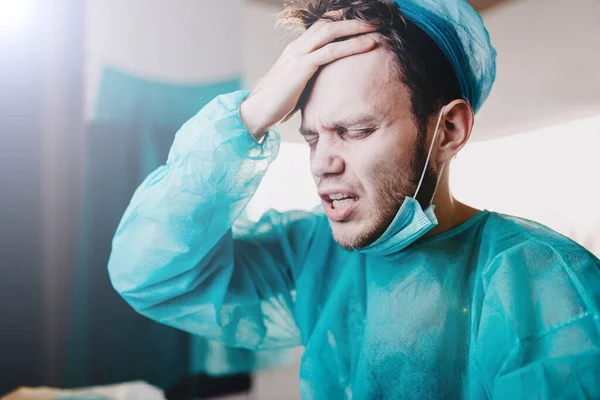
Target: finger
335 51
328 31
335 14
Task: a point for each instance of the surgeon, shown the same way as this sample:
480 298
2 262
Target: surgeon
395 289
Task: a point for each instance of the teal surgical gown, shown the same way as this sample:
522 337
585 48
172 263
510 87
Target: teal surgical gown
498 307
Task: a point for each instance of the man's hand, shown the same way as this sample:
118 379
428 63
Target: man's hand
278 92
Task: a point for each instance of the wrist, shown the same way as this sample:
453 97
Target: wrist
256 129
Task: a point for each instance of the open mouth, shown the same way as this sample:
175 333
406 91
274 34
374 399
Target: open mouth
339 206
342 202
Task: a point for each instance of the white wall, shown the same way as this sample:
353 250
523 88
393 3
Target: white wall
549 175
183 41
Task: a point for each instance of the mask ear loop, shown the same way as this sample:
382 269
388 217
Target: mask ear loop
437 183
437 126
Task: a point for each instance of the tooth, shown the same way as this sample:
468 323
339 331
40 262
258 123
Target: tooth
338 196
342 203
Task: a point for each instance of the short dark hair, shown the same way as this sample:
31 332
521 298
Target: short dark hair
421 65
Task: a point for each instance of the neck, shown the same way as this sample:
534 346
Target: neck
449 211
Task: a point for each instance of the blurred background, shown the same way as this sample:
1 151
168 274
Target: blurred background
91 95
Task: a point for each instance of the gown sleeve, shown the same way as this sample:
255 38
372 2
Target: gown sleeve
181 256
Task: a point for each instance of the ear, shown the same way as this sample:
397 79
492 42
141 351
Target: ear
455 129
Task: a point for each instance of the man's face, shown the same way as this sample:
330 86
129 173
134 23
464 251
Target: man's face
364 144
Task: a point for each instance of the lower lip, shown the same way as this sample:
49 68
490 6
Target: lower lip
339 214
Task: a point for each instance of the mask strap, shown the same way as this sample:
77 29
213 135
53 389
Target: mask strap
437 126
437 183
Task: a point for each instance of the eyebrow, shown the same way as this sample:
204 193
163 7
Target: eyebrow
354 120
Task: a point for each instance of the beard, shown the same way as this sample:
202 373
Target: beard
393 184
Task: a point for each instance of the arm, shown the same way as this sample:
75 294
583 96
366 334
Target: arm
175 258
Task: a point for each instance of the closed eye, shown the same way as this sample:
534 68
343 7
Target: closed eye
359 133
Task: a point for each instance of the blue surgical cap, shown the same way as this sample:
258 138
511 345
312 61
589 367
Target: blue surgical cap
459 32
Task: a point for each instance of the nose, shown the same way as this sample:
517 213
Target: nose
325 161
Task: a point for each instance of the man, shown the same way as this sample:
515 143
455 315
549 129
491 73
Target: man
398 290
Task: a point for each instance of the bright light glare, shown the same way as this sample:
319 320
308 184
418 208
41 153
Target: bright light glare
15 14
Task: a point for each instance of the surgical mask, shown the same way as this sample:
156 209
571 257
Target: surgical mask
411 221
